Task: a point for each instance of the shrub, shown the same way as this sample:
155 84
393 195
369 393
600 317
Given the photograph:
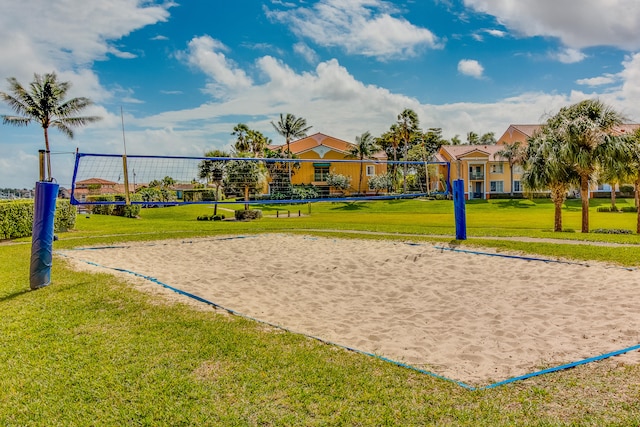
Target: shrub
16 218
248 215
626 189
382 182
338 181
606 209
65 218
629 209
203 218
101 209
612 231
127 211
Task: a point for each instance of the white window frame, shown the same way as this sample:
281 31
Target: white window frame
371 170
493 186
517 183
497 168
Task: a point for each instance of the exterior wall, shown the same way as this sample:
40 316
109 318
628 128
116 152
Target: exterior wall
478 172
305 175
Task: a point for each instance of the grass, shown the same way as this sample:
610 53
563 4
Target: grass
90 350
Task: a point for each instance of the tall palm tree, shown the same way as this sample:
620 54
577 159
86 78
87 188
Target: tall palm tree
391 139
291 128
585 129
634 164
241 132
213 171
365 148
545 170
44 102
408 127
513 152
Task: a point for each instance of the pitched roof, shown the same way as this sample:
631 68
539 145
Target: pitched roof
516 132
457 152
319 139
95 181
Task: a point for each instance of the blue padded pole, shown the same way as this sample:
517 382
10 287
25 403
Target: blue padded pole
42 234
460 209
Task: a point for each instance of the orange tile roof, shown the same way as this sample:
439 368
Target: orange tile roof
310 142
95 181
458 152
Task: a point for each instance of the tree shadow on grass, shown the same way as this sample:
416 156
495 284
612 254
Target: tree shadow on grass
513 203
16 294
351 206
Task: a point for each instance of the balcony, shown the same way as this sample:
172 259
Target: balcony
476 176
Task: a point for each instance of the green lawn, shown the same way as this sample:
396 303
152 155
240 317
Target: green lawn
90 350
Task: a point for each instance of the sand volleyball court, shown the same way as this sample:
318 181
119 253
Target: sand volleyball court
471 318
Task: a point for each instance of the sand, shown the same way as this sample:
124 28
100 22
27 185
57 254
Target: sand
472 318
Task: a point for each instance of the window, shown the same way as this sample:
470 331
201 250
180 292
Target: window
497 186
371 170
499 168
518 169
517 187
320 173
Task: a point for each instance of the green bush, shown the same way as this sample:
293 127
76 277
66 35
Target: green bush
16 218
101 209
248 215
629 209
127 211
612 231
606 209
65 218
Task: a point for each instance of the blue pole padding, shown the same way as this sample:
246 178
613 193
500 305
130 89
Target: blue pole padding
459 208
42 234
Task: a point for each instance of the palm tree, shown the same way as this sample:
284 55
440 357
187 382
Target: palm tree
545 170
257 142
513 153
44 102
213 171
291 128
241 131
585 130
365 147
408 127
634 163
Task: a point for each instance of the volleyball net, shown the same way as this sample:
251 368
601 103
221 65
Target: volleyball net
169 180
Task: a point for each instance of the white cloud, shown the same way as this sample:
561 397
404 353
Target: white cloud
496 33
577 24
306 52
470 67
362 27
205 53
606 79
568 56
69 37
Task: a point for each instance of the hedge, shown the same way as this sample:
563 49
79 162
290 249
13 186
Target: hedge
128 211
16 218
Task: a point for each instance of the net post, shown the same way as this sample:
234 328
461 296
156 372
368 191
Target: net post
127 199
459 209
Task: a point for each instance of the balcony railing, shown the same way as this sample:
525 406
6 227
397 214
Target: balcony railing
476 176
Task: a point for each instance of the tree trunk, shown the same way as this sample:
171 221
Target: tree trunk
613 197
558 196
360 183
246 197
584 195
48 154
511 175
637 189
215 206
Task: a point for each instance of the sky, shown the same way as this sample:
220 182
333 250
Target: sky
177 76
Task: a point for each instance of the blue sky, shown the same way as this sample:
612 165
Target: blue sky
185 73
